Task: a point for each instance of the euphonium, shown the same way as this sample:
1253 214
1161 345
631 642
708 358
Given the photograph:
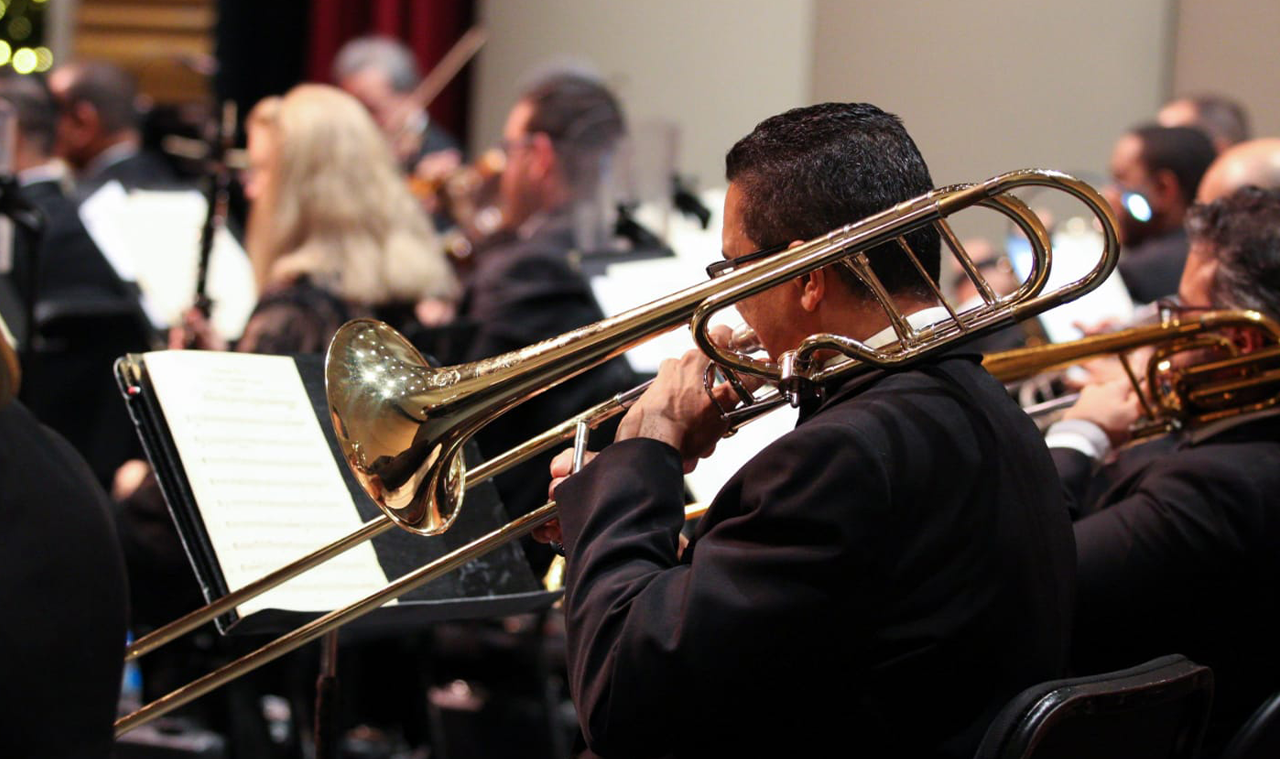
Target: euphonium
1196 373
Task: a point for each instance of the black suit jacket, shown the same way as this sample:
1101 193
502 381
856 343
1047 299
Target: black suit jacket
86 317
62 589
1153 269
69 264
880 580
1180 556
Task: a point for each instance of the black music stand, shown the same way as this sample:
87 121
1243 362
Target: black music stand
499 584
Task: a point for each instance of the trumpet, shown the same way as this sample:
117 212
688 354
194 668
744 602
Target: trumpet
401 424
1196 374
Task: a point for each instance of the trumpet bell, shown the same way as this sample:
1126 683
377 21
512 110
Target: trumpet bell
382 398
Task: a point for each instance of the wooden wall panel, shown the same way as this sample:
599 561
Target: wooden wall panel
156 40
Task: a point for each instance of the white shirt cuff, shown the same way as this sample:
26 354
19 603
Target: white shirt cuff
1080 435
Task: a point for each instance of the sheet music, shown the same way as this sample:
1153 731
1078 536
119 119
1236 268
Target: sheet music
263 476
153 238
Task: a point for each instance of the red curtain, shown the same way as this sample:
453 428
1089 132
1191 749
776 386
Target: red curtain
428 27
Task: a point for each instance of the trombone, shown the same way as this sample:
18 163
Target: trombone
1212 380
401 424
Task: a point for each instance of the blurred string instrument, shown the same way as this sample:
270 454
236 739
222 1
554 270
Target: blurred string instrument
468 195
407 140
401 425
1200 367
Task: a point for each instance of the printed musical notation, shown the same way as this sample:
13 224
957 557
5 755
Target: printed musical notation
262 474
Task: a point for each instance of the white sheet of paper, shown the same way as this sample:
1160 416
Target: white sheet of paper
267 486
153 238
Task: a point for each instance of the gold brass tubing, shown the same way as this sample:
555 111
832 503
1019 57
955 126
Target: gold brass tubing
373 528
966 263
1147 411
185 624
316 628
1231 386
933 286
1021 363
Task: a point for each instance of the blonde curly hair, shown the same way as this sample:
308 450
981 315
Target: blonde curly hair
335 208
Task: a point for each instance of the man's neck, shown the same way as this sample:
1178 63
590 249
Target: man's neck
867 317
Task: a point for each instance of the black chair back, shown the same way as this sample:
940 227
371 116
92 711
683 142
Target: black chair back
1259 737
1155 710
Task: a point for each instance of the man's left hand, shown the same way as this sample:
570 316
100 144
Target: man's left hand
676 409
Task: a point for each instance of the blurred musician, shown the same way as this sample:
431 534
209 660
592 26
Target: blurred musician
98 129
382 73
525 285
1223 120
62 589
1256 162
1154 175
85 316
1177 553
903 543
332 235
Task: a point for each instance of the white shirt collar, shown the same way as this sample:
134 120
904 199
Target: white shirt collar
919 319
53 171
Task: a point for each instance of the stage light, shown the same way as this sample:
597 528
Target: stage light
44 58
24 60
20 28
6 52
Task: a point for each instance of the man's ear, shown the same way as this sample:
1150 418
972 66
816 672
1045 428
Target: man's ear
544 154
1165 183
813 286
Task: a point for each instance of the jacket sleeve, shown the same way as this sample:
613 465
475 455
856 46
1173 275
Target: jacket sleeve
647 631
1192 518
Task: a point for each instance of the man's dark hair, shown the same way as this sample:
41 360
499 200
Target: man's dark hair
34 106
1185 151
109 89
810 170
1221 118
1243 232
584 122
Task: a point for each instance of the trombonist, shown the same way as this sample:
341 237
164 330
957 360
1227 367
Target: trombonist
1176 550
905 544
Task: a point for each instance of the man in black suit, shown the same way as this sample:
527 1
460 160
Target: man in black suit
85 316
62 589
1154 175
884 577
98 134
526 285
1177 544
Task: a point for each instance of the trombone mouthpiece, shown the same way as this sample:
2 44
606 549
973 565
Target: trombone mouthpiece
745 340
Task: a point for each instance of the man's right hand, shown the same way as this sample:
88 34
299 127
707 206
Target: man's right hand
1113 406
